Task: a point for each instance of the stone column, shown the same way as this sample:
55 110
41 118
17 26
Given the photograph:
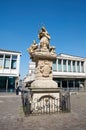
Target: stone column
80 65
71 66
62 64
75 66
67 65
56 64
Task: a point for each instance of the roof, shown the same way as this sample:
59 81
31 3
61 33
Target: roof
3 50
70 56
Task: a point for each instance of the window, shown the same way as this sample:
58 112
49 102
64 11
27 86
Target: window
1 61
78 66
82 66
64 66
69 66
7 62
54 65
59 65
76 83
14 60
74 69
70 83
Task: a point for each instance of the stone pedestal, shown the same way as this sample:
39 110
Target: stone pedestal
44 84
45 100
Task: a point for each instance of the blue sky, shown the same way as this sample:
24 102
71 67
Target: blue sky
65 20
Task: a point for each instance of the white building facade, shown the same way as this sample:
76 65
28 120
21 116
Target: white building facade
9 70
68 71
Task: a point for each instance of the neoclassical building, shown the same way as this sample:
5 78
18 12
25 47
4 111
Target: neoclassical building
68 71
9 70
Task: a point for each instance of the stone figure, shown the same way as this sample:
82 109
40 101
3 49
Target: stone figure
52 49
32 48
44 38
43 33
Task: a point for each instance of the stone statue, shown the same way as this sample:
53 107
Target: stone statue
32 48
43 89
52 49
44 38
43 33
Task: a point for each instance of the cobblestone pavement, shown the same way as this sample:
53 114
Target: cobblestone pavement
12 117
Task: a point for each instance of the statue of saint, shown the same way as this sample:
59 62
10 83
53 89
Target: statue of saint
44 38
43 33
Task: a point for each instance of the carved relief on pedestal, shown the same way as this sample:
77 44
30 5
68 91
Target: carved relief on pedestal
44 69
47 69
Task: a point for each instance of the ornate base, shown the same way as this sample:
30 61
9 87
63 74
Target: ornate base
45 100
44 84
45 97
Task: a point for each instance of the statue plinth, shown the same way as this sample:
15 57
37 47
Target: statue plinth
44 83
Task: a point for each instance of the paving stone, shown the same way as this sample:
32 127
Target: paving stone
12 116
